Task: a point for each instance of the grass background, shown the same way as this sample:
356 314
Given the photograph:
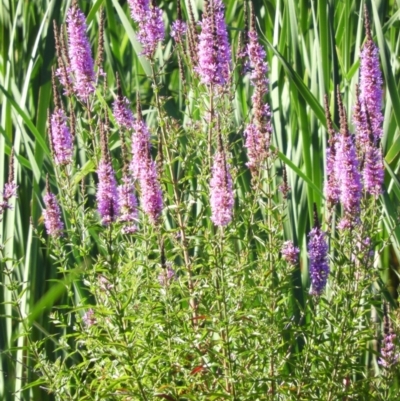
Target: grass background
312 46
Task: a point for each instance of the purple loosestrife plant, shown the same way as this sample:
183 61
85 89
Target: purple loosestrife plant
318 254
221 192
151 194
347 173
214 51
107 196
80 54
61 138
389 356
371 82
258 133
144 169
127 205
167 275
52 214
373 171
122 113
178 30
331 188
139 9
150 25
10 187
290 253
10 191
140 145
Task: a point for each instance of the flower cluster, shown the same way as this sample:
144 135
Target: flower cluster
52 215
258 133
150 25
144 169
290 253
319 267
61 138
389 356
178 30
127 205
107 196
214 51
167 275
371 85
122 113
80 54
221 198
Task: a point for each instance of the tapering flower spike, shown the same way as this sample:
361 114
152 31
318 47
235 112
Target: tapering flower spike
347 172
61 138
179 27
214 52
373 169
121 110
144 169
258 133
127 202
389 356
290 253
371 82
80 54
150 24
52 213
318 254
151 197
10 187
221 191
140 143
332 190
63 71
106 196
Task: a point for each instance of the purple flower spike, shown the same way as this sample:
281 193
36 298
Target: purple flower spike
151 32
151 25
80 53
290 253
257 145
122 113
52 216
371 84
319 268
221 192
10 191
258 65
373 172
348 176
258 133
140 148
107 192
89 318
61 138
151 199
127 204
331 188
167 275
389 357
178 30
346 171
139 9
213 49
